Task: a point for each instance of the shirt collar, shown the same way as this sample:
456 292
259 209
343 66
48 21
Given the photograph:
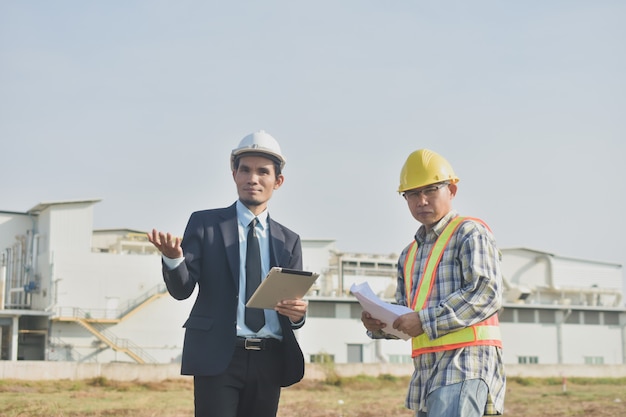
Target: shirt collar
434 233
245 216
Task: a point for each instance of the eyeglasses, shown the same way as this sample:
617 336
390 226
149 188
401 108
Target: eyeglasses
429 191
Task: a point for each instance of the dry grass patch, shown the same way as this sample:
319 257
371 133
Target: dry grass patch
360 396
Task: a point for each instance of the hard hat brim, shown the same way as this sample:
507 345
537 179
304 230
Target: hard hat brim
273 156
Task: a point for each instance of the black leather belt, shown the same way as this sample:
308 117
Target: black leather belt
251 343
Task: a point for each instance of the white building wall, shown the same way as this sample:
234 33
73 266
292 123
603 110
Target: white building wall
316 257
316 254
11 225
524 268
60 228
329 336
158 327
69 226
332 336
88 280
591 341
581 274
539 269
529 340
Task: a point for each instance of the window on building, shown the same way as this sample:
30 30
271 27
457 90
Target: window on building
355 311
525 316
591 317
349 265
321 309
343 310
506 315
523 360
322 358
594 360
611 318
400 359
573 318
547 317
355 353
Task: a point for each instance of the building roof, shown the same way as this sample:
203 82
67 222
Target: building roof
42 206
21 213
120 230
558 257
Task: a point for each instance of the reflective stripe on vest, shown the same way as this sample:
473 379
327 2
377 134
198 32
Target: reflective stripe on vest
486 332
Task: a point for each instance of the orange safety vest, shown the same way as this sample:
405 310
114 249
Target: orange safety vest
486 332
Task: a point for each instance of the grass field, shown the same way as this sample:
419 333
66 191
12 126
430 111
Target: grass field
354 397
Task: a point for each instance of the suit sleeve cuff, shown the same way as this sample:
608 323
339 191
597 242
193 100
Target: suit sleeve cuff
298 324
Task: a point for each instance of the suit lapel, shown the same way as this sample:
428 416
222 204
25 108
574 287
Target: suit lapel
228 226
229 229
277 244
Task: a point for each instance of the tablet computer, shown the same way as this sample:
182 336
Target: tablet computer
281 284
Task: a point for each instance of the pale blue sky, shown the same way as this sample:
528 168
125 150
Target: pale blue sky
140 102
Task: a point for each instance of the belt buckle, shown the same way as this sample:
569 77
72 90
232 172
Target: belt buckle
252 346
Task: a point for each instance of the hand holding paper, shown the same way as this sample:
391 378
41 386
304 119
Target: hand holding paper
385 312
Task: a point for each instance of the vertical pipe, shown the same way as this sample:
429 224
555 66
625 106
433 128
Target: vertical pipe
340 283
17 273
622 321
9 273
14 337
3 280
561 317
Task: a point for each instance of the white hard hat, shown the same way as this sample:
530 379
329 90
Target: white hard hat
259 142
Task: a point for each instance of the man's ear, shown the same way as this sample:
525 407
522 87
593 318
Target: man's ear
279 181
453 189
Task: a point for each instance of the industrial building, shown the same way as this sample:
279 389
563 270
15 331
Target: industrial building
71 293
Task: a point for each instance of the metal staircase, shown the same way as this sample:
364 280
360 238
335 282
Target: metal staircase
97 321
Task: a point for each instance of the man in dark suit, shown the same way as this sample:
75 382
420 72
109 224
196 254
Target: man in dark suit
239 362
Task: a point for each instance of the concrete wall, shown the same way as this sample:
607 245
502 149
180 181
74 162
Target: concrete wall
40 370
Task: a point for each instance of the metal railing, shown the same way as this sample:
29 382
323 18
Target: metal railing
112 314
117 343
89 319
135 303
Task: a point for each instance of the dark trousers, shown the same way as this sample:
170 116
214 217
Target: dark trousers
250 386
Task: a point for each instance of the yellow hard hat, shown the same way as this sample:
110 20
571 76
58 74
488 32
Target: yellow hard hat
424 167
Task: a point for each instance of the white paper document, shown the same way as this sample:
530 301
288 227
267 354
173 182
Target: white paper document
385 312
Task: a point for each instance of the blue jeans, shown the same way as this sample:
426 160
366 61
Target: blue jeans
465 399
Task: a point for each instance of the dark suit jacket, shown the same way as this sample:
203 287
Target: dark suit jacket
211 249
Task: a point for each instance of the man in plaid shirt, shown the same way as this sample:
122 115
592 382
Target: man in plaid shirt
450 275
